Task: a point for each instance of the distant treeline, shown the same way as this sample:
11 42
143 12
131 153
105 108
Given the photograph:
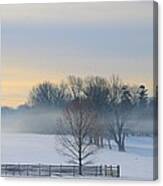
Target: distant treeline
121 109
100 92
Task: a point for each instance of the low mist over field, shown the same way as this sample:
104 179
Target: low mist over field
46 120
30 120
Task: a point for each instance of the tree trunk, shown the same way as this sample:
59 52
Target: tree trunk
123 141
80 167
97 141
90 140
80 153
101 141
120 140
109 144
121 147
121 144
80 162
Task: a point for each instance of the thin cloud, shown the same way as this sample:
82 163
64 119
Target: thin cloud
81 13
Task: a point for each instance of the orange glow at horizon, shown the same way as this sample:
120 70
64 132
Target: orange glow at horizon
40 43
15 92
16 85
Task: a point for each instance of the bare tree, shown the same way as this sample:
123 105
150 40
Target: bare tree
75 85
96 91
48 94
121 103
78 120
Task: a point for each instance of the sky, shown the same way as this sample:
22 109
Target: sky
48 42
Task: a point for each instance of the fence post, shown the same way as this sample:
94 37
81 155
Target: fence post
13 170
39 169
96 170
73 170
60 169
19 169
118 171
6 170
101 170
49 170
105 169
111 170
27 170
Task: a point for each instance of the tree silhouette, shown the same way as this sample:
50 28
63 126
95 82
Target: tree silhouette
47 94
96 92
79 120
121 103
143 96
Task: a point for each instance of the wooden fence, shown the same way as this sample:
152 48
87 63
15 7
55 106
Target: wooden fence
40 170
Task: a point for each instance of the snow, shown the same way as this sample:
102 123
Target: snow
136 162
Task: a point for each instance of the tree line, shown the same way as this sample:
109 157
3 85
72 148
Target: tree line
93 108
111 100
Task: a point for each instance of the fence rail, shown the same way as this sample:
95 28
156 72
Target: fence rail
40 170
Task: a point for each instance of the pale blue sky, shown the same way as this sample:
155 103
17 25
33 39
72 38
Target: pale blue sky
50 42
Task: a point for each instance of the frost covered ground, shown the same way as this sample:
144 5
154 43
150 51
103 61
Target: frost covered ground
135 163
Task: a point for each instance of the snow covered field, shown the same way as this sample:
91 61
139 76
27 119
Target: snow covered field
135 163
